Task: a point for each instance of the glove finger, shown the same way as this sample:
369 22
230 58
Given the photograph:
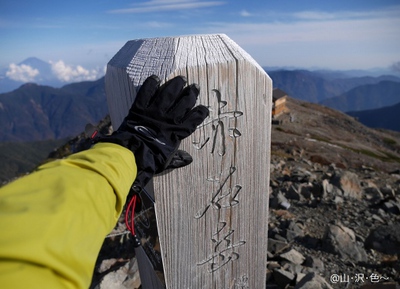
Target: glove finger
192 119
168 95
146 93
180 159
185 103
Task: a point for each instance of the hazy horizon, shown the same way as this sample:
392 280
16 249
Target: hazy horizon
80 37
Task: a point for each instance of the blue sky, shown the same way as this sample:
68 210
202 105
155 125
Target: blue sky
85 34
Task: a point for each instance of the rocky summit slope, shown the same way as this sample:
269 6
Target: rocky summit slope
334 202
334 218
326 136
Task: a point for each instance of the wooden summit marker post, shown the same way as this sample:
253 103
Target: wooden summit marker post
212 216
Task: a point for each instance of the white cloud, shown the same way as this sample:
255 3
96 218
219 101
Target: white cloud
314 15
166 5
68 73
157 24
346 39
350 31
245 13
22 73
391 12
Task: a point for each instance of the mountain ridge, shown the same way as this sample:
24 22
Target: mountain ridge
317 86
37 112
386 117
366 97
20 158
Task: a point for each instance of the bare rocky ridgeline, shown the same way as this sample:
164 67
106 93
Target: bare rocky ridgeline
334 202
334 219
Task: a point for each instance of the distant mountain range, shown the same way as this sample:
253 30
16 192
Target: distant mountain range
321 85
366 97
375 101
19 158
37 112
386 117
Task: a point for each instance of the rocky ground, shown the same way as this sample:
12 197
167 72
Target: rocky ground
334 219
334 203
334 223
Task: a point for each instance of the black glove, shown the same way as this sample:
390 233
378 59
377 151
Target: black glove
158 120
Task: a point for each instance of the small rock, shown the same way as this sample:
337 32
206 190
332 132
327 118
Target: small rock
276 246
312 281
315 263
306 191
373 194
113 279
284 205
273 183
301 175
133 280
336 191
338 200
391 207
377 218
282 277
327 187
293 194
299 276
282 201
293 231
293 268
125 277
317 190
385 239
280 238
272 265
107 264
387 192
395 172
382 213
293 256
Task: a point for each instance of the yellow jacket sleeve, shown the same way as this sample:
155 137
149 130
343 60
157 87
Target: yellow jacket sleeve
53 221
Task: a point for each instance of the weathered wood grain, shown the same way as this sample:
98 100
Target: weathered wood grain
212 216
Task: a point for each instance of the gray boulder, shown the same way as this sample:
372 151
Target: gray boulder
293 256
385 239
341 240
349 184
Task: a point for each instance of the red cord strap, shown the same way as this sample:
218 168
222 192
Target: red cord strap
130 213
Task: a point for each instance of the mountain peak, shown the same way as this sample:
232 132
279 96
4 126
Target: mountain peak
42 66
38 112
29 84
34 61
55 74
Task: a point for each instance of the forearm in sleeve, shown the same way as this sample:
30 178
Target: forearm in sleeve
53 221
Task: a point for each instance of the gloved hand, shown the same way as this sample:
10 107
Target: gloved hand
156 123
